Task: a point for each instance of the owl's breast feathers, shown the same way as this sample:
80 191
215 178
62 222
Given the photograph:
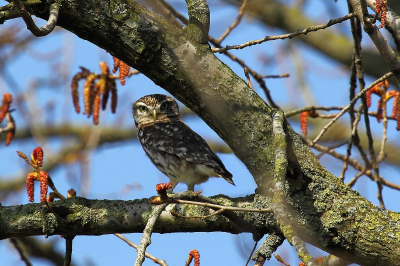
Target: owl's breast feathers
178 139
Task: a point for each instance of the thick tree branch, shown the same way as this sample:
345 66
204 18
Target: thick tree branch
95 217
330 215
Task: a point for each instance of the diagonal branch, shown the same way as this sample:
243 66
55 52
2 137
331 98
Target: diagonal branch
234 24
148 230
392 22
148 255
360 10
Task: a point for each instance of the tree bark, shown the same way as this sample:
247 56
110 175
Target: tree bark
327 213
80 216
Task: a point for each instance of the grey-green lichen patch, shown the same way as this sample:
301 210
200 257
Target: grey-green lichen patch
119 11
50 223
22 219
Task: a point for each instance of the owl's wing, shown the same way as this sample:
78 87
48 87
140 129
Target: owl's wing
178 139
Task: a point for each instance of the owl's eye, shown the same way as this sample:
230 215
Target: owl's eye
164 106
142 108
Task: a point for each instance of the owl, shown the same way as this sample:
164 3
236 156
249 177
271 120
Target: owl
172 146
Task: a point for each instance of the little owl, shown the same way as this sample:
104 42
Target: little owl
173 147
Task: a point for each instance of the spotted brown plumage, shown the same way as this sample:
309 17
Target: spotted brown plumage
173 147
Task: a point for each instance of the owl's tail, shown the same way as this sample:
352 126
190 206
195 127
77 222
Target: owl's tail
228 177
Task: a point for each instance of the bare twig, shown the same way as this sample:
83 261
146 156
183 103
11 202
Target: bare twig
68 250
246 73
354 163
234 24
215 206
312 108
356 32
148 255
251 253
175 13
358 96
352 92
148 230
381 155
352 182
53 212
283 36
390 57
53 187
286 75
21 252
331 148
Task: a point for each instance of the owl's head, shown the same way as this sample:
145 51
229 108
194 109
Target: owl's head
155 108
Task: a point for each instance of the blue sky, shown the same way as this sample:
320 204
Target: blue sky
133 175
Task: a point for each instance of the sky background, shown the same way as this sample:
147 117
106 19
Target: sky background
122 171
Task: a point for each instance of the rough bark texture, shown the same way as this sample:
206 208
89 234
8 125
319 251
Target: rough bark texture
80 216
327 213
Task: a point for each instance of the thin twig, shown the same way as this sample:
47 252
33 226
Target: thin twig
148 255
234 24
356 139
356 33
47 28
286 75
175 13
251 253
331 148
352 90
354 163
229 208
353 181
21 252
50 183
246 73
68 250
358 96
381 155
284 36
312 108
325 108
148 230
53 212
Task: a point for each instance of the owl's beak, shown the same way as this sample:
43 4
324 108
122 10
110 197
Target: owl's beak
155 114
